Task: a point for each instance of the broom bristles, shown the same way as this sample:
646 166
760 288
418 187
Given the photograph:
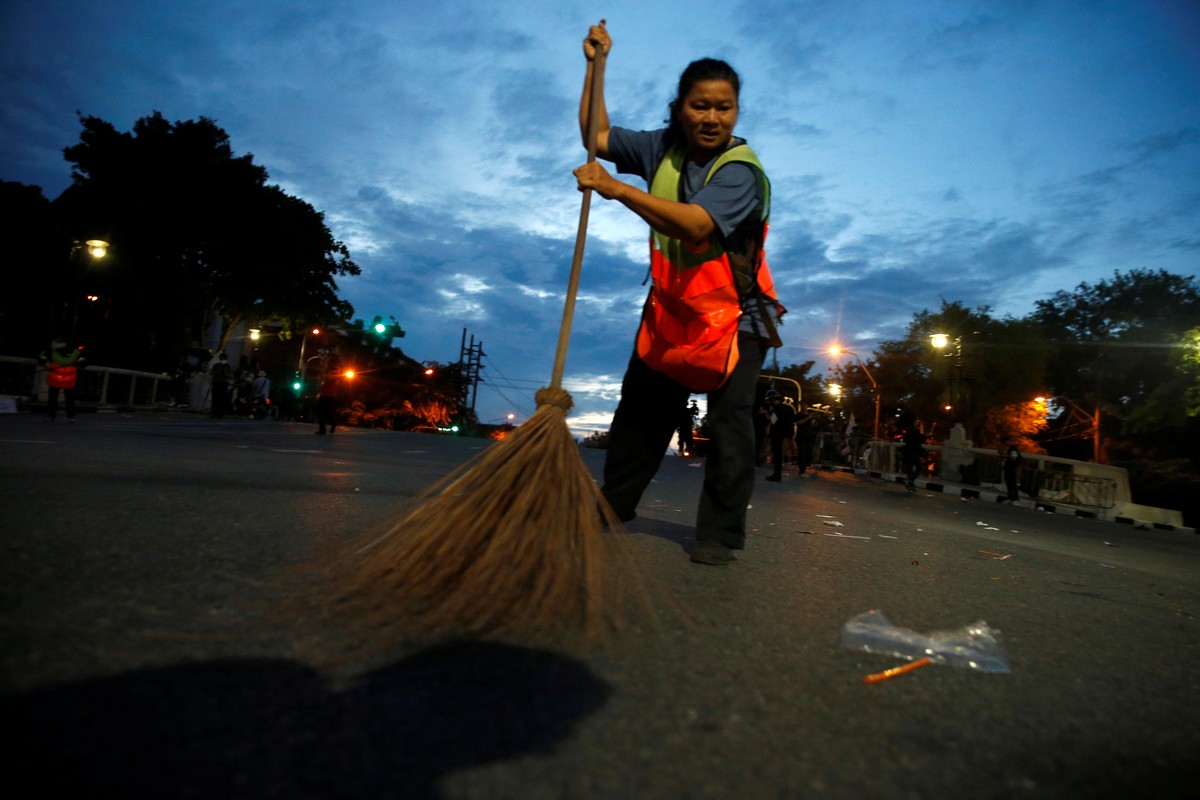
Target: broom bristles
514 542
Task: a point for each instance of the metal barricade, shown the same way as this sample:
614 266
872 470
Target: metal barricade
1064 487
100 386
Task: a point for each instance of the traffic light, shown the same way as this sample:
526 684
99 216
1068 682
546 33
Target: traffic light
386 330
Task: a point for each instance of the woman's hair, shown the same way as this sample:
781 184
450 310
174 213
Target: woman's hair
705 69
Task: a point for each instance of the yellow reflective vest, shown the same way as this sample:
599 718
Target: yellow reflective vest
690 321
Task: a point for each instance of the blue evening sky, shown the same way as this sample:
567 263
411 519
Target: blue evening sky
989 153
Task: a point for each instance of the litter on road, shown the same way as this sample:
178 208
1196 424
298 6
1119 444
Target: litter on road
894 671
975 646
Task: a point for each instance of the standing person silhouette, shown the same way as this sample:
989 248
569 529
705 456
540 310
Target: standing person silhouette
711 312
62 365
221 374
782 432
912 455
327 395
1012 471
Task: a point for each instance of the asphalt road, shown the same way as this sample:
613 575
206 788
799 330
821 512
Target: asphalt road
134 548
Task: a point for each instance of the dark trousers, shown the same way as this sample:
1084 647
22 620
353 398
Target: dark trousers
68 398
648 414
1010 483
326 414
220 399
911 463
777 455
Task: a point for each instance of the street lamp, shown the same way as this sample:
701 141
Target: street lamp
837 350
96 249
304 344
942 341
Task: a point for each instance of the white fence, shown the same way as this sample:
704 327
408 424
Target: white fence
99 386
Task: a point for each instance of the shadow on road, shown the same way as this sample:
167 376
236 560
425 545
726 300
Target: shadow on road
265 728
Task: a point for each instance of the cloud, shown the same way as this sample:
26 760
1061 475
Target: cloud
917 151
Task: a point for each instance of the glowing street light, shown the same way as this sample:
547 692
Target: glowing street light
942 341
837 350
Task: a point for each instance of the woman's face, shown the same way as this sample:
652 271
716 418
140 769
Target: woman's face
708 115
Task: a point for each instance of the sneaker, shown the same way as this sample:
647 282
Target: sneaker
713 554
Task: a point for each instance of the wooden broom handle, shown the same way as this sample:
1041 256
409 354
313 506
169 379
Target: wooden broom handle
595 92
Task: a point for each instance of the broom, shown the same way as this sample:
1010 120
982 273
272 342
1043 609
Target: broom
513 542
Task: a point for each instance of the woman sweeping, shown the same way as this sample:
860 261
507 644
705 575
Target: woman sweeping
711 313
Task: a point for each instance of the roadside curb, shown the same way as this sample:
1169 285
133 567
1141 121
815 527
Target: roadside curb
985 495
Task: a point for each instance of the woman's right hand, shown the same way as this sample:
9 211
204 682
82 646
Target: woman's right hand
595 177
597 38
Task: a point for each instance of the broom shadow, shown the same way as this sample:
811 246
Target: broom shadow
275 728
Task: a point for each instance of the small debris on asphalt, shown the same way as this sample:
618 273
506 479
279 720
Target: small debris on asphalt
996 555
900 670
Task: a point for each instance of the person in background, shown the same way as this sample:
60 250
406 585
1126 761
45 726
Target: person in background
783 431
687 428
261 385
62 365
221 374
1012 470
762 424
806 438
912 454
327 395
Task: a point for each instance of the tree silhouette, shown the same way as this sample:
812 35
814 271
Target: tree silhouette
197 234
1120 347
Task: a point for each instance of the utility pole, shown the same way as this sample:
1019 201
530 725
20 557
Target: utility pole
469 357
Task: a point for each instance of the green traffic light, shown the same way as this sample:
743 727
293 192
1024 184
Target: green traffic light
380 327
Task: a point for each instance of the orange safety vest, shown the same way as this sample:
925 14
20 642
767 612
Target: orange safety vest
690 321
61 370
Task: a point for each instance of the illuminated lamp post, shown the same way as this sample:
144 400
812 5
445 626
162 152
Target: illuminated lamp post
835 351
97 249
942 341
304 344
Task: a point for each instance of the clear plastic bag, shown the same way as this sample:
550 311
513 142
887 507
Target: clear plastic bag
975 646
